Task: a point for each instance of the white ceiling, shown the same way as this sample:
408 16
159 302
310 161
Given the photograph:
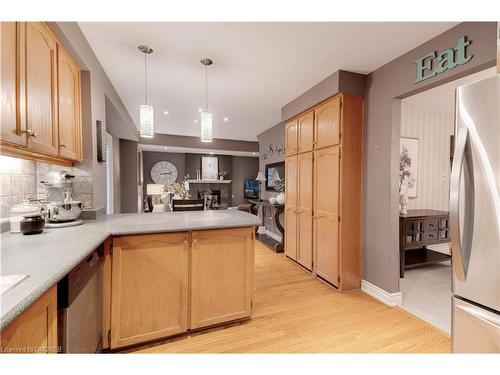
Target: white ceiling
259 67
190 150
442 98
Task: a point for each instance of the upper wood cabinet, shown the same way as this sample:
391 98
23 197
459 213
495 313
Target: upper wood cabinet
291 137
35 330
40 86
11 126
69 106
221 276
41 89
149 287
306 132
327 123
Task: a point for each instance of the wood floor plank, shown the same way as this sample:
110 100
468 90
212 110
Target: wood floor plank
296 313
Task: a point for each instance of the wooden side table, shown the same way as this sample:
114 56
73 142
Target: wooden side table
417 230
278 210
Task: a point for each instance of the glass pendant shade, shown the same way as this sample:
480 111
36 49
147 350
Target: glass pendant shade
146 119
206 127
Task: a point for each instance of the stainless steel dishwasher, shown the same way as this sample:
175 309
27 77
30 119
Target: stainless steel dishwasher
79 307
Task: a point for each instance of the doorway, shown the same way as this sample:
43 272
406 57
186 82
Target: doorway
426 154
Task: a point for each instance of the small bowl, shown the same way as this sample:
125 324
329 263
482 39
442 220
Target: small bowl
32 224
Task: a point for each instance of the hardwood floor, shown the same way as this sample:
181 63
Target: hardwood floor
296 313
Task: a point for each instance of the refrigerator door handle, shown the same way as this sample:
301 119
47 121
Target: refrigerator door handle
461 249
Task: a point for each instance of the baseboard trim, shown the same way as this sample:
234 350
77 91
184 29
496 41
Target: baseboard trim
274 236
390 299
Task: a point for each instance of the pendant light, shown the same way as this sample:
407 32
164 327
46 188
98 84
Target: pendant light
206 117
146 111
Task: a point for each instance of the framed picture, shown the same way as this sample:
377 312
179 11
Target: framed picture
408 166
274 171
209 168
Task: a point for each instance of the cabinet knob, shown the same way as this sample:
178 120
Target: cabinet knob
29 133
64 145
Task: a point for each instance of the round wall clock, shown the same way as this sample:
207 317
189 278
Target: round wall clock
164 173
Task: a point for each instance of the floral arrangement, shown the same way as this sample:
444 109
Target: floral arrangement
279 185
223 174
180 190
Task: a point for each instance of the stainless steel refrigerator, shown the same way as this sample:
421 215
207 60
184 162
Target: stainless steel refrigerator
475 219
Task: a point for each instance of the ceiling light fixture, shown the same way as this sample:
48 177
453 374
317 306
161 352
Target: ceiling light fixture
165 112
226 119
200 110
206 117
195 121
146 111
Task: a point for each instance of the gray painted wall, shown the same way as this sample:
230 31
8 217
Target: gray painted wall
340 81
195 142
150 158
117 186
243 168
128 176
381 141
270 142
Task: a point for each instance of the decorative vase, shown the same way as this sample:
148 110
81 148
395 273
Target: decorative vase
221 178
280 199
272 200
403 202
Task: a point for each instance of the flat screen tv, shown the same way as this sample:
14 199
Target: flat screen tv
251 189
273 170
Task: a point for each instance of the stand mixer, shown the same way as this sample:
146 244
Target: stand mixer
60 207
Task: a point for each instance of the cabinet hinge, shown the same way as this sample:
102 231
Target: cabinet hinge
338 218
111 250
109 335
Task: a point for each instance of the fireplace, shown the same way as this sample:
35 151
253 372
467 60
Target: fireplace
213 197
221 192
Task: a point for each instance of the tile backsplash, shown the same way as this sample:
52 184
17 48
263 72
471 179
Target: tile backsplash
20 179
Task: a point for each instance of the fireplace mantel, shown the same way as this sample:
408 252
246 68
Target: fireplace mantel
209 181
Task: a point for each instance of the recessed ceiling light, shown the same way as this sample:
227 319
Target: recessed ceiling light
195 121
200 109
166 148
165 112
211 153
226 119
254 153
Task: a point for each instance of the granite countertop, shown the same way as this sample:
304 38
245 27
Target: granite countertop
47 257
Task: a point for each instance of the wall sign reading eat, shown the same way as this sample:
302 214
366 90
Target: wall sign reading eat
433 63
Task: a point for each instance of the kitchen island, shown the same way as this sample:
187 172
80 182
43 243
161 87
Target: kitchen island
166 273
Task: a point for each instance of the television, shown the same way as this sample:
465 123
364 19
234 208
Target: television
271 170
251 189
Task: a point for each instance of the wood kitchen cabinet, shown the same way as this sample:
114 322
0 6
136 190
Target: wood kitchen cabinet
306 132
327 123
69 106
222 276
291 137
41 88
149 287
11 126
327 213
323 196
35 330
40 116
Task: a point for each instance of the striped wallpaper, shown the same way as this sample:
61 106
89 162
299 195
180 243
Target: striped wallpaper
433 129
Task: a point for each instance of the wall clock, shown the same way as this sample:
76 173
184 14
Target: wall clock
164 173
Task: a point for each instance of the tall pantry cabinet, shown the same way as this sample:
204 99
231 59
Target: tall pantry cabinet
323 190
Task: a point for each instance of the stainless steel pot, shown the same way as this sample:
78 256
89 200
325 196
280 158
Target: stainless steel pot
61 211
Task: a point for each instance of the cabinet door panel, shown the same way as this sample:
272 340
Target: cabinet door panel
41 88
10 48
306 132
35 330
291 233
221 276
291 181
69 106
326 213
304 209
291 137
326 241
327 123
149 288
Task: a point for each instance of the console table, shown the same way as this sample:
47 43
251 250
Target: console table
417 230
278 247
